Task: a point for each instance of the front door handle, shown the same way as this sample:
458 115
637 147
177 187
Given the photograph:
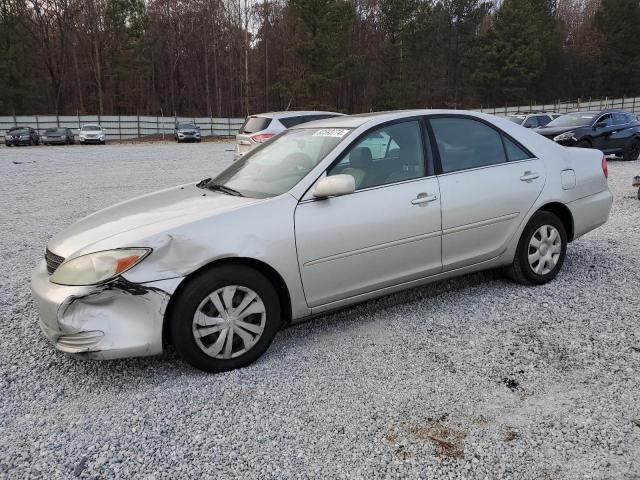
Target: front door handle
423 198
529 176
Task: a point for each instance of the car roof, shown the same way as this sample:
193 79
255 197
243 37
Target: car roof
294 113
355 121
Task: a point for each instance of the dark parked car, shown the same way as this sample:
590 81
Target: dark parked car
58 136
615 132
187 132
21 136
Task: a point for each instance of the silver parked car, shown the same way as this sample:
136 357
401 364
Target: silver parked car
532 119
326 215
257 129
92 133
187 132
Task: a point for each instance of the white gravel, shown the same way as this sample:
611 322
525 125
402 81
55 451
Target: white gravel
469 378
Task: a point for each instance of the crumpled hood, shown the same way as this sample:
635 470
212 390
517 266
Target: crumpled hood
182 205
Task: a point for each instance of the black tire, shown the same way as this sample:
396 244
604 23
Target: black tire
198 140
583 144
639 194
520 270
196 291
631 151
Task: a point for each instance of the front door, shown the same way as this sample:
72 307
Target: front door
385 233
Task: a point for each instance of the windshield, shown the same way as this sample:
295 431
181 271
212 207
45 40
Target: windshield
54 130
91 128
186 125
20 131
580 119
516 119
279 164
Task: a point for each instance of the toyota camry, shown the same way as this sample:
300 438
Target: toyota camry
324 215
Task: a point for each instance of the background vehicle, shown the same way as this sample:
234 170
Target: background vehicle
260 128
21 136
614 132
58 136
186 132
325 215
92 133
532 119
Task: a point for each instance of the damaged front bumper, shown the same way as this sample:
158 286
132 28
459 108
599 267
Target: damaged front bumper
119 319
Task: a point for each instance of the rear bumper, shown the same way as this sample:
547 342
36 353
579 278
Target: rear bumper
590 212
116 320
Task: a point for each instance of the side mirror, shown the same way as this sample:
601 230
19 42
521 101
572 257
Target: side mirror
600 125
334 186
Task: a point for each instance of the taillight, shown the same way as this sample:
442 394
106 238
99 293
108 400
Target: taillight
263 137
605 167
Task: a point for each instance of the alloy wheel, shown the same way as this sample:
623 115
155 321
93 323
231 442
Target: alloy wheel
545 246
229 322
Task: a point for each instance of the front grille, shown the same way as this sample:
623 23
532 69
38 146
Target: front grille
53 261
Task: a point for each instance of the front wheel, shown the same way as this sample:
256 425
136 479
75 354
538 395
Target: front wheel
225 318
632 150
541 250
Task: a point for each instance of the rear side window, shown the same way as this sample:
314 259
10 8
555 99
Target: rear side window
289 122
464 143
515 152
255 124
531 122
619 119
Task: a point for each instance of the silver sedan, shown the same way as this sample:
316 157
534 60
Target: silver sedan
322 216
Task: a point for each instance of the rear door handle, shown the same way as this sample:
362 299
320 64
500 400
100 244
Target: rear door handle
423 198
529 176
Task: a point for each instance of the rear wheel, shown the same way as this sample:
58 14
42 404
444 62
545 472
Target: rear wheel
541 250
632 150
225 318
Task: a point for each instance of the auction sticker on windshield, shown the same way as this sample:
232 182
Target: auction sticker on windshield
331 132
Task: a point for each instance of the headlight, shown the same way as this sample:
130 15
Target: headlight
563 136
98 267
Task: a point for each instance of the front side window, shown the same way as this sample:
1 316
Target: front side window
390 154
280 163
464 143
605 120
531 122
543 120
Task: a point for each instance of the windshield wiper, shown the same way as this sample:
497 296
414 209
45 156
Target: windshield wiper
225 189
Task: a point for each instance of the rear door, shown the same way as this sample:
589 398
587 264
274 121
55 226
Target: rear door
488 183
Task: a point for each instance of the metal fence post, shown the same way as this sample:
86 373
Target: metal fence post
228 126
139 125
37 124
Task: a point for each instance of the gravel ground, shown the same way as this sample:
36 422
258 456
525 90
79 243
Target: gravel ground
469 378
